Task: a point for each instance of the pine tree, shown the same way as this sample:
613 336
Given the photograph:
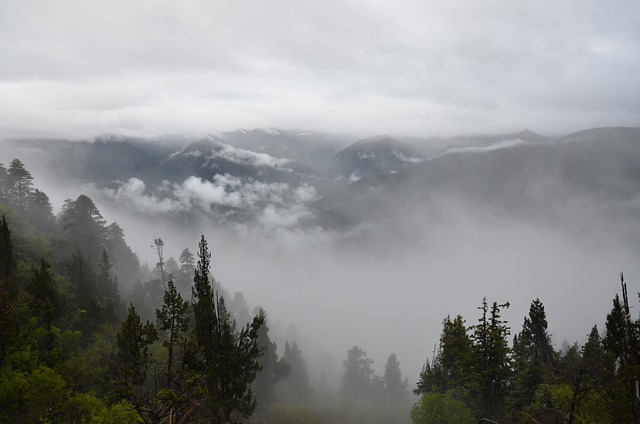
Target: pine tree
133 340
229 358
20 184
7 262
173 322
4 184
356 381
84 226
491 356
45 299
40 212
298 377
272 369
394 385
534 357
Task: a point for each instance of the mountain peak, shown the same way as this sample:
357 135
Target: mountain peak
528 135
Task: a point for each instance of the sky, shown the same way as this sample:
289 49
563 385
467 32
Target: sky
74 68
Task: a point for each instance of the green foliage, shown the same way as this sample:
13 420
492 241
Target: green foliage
491 361
20 184
45 300
7 261
437 408
134 339
229 358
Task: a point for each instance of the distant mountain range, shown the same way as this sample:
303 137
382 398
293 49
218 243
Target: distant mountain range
378 178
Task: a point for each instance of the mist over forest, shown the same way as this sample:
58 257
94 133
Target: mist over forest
344 243
333 212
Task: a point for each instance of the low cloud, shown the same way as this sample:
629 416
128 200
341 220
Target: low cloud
239 202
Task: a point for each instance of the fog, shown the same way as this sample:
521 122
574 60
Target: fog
386 291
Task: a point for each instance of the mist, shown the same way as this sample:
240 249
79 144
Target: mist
387 285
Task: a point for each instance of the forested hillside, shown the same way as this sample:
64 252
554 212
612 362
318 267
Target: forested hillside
77 348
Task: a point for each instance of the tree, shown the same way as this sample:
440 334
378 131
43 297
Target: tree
356 381
230 359
84 226
272 368
187 261
7 262
126 265
394 385
20 184
40 211
491 358
45 299
173 320
449 369
437 408
159 246
298 377
534 357
4 184
133 340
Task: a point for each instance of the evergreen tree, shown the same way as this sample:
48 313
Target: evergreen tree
126 265
534 357
491 358
298 377
356 381
20 184
40 212
45 299
455 346
272 369
4 184
84 226
133 340
394 385
173 322
7 262
230 359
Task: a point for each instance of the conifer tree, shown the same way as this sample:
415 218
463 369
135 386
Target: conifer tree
272 368
133 340
173 322
4 184
7 262
20 184
394 385
534 357
491 358
84 226
356 381
45 299
298 377
229 358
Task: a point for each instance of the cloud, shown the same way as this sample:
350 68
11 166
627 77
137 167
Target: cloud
402 67
240 202
247 157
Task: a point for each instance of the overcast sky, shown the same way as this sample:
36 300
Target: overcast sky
403 67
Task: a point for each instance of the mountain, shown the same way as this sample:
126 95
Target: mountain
375 156
598 170
102 160
211 156
293 177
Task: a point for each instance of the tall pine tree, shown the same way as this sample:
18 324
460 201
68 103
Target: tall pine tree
229 358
